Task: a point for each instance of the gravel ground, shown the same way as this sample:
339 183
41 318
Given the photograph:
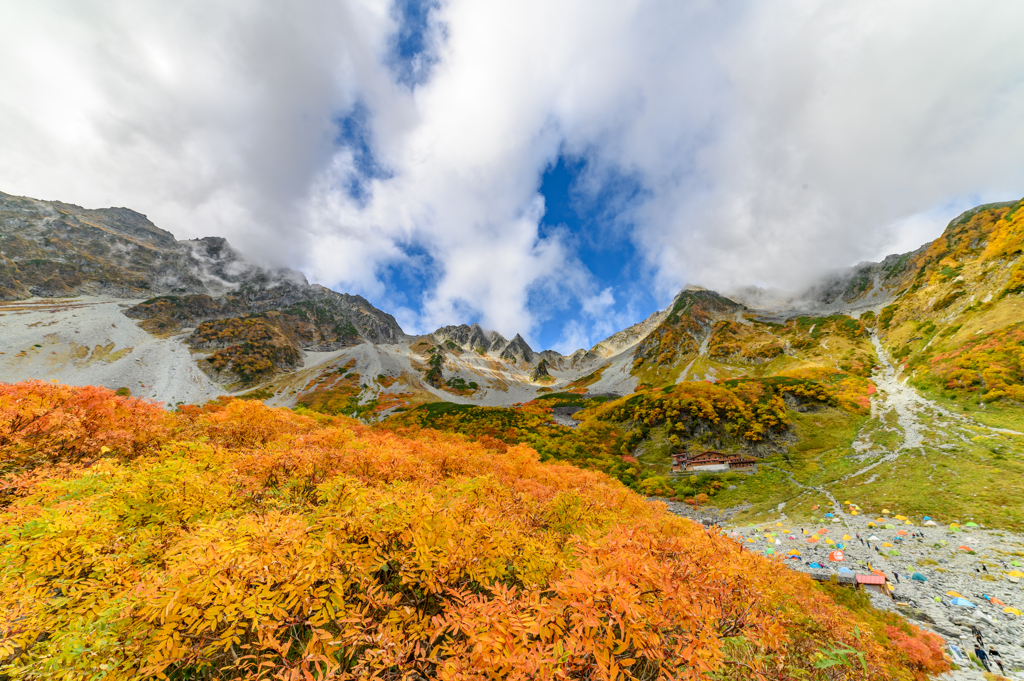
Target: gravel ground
88 341
936 555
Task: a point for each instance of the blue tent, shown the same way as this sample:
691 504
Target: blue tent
840 546
962 601
918 577
814 565
829 515
927 517
845 571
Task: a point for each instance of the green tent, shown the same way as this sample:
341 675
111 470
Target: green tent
894 552
890 527
1016 563
970 524
769 551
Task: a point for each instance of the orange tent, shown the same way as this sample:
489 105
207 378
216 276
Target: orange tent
996 601
903 533
822 531
964 548
836 556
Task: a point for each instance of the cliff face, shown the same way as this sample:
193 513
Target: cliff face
52 249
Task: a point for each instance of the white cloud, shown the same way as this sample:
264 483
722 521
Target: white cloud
769 141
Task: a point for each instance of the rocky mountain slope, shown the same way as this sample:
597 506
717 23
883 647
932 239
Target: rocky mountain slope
249 329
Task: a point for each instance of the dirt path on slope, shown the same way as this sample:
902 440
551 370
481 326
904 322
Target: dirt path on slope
702 351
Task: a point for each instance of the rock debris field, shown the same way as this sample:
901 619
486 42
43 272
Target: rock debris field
989 576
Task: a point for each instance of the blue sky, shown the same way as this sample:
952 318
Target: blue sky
556 168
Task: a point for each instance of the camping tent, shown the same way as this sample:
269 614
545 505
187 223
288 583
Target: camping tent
970 524
847 537
930 523
829 515
845 571
872 538
903 533
894 552
927 517
953 594
964 548
962 602
1012 611
837 520
890 526
814 565
1015 573
885 544
918 577
901 517
769 551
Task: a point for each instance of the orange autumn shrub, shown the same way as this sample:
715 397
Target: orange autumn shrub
259 543
46 423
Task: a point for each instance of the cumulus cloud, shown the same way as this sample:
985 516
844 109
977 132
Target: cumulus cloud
765 143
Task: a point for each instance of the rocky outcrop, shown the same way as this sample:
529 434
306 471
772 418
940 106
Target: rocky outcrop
471 338
517 350
540 372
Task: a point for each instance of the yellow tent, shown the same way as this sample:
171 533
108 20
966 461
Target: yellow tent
751 539
806 532
953 594
853 513
908 523
900 517
872 525
1016 573
778 524
847 537
885 510
815 537
1012 611
794 552
829 541
886 544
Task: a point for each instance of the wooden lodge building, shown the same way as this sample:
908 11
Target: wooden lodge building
712 462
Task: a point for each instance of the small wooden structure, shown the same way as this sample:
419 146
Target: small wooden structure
874 583
711 461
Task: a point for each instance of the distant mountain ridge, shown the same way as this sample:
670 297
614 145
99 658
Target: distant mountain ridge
249 327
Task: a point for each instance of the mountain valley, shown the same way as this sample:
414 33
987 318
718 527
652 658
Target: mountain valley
896 385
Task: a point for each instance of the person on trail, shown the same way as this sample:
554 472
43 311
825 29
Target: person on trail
897 576
984 568
977 635
993 655
980 654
